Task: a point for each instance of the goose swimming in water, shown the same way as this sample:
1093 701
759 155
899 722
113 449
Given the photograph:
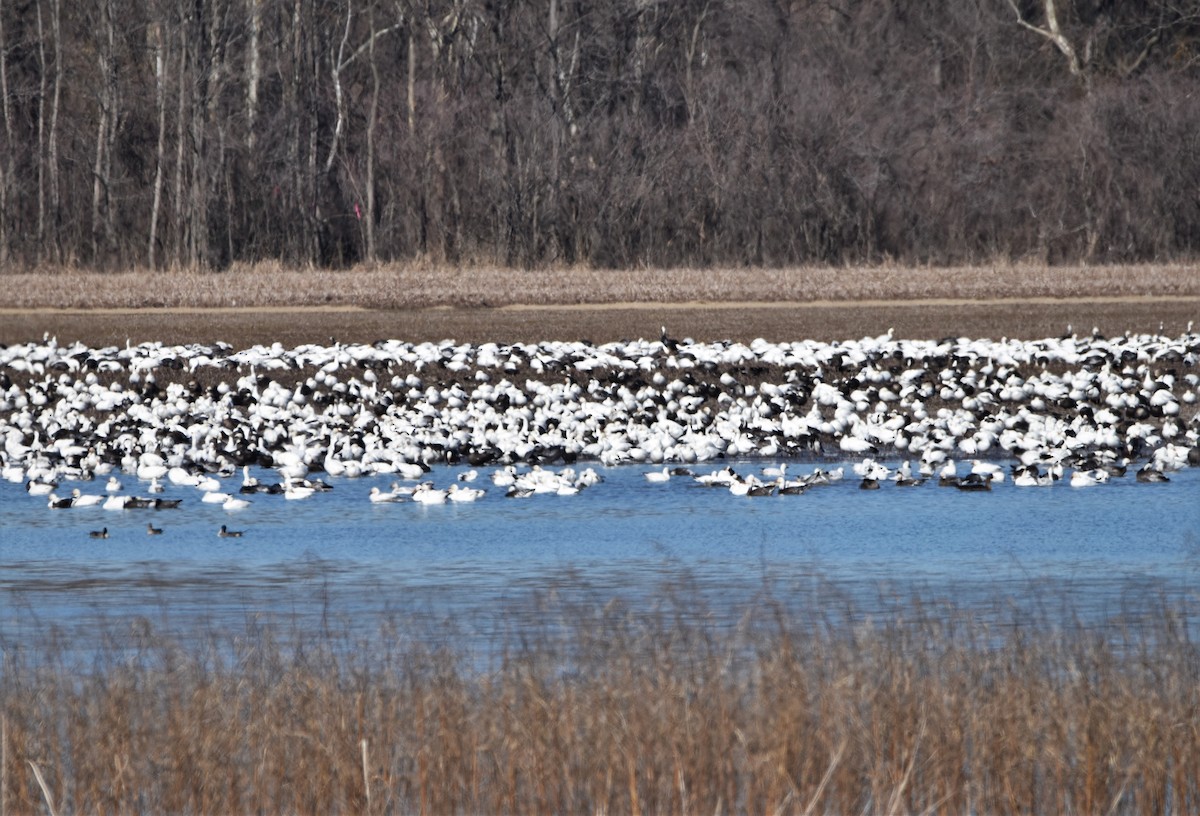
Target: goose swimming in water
295 492
101 533
974 482
227 533
1031 477
36 488
457 493
152 530
426 494
767 489
658 476
718 478
377 496
948 474
1088 478
84 499
1150 474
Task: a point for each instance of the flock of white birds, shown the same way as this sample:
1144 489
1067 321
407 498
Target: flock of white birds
1079 408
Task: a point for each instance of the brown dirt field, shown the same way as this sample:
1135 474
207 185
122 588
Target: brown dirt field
705 323
264 305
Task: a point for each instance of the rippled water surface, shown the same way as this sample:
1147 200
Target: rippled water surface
1100 545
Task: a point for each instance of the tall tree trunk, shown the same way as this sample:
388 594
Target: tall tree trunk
102 210
253 74
52 140
6 166
338 62
181 207
158 42
372 118
41 128
412 78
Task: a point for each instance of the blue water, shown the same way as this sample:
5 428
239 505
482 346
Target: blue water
1107 548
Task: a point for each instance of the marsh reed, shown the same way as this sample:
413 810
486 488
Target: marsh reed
612 708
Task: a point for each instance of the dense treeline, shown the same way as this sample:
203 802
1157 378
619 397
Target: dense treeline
631 132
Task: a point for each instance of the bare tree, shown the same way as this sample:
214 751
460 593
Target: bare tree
158 46
1052 31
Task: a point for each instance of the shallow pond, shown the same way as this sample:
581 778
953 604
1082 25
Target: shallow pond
1109 550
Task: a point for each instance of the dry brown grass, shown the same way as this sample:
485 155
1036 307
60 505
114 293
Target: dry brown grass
613 711
414 287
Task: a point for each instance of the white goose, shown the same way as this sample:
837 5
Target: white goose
457 493
425 494
377 496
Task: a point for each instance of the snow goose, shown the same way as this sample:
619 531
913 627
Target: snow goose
457 493
1088 478
948 474
740 487
658 476
718 478
84 499
296 492
208 484
377 496
36 488
426 494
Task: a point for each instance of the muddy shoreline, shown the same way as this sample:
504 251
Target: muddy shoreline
776 322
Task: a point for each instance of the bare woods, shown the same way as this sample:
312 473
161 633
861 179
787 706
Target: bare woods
155 134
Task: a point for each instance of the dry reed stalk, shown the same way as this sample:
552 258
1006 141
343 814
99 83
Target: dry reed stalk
621 711
37 772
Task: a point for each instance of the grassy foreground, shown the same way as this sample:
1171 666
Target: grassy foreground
607 710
